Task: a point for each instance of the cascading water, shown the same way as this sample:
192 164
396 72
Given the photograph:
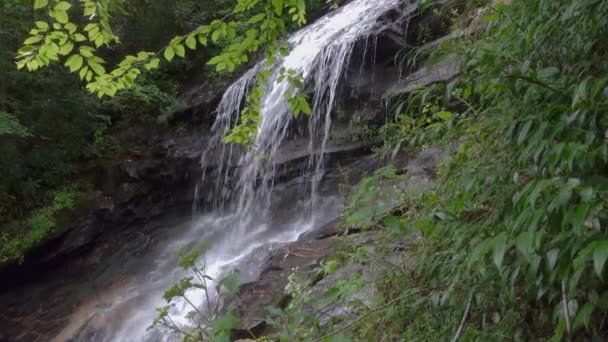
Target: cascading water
320 54
242 185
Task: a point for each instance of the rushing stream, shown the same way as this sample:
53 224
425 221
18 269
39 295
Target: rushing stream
252 212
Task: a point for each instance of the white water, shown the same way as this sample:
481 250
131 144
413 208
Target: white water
252 213
320 54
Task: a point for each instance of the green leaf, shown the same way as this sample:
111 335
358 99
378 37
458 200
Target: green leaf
215 36
586 194
74 63
548 72
83 72
500 247
445 115
600 254
180 50
225 323
552 258
222 337
191 42
97 68
32 40
61 16
40 3
583 317
42 25
62 6
257 18
305 106
66 48
169 53
524 244
153 64
523 134
79 37
278 6
232 282
392 222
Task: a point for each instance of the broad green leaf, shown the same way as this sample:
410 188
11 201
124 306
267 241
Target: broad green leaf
32 40
86 51
222 337
500 247
62 6
42 25
552 258
548 72
278 6
180 50
445 115
191 42
600 254
169 53
79 37
392 222
153 64
215 60
232 282
523 133
83 72
257 18
74 62
66 48
586 194
305 106
97 68
40 3
583 317
61 16
215 36
524 244
224 324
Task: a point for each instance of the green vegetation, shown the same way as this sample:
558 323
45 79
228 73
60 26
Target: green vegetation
513 241
52 130
215 321
513 235
62 132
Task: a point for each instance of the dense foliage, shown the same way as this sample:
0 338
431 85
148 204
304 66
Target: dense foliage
513 235
514 240
52 130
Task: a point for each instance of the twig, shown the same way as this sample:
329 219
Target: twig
566 310
464 319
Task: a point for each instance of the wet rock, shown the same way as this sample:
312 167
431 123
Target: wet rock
330 229
269 290
444 71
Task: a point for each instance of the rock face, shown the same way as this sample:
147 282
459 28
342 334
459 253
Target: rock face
441 72
137 190
159 183
306 255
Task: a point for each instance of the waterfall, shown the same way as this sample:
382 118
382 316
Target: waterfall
320 53
240 187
